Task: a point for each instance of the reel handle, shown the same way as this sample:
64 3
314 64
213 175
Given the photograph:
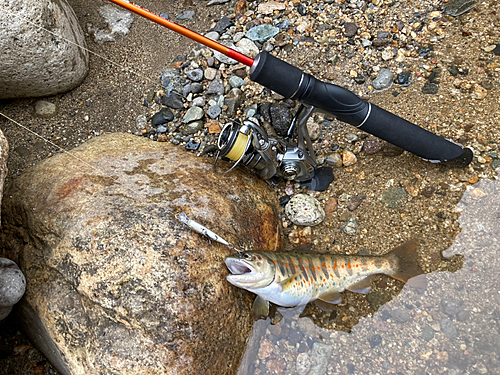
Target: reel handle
291 82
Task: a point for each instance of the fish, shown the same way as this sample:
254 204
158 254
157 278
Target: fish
294 278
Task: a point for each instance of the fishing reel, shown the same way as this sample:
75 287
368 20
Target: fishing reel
245 142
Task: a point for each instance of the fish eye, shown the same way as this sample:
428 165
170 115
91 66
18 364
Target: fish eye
247 256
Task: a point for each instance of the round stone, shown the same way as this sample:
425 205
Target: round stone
304 210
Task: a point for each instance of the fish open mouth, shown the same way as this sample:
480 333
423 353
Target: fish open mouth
237 268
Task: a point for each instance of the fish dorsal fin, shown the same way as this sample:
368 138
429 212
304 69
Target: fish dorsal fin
332 297
260 308
289 281
363 286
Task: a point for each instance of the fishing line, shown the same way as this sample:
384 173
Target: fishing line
55 145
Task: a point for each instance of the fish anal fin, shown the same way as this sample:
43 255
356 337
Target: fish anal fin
260 308
407 257
288 282
363 286
332 297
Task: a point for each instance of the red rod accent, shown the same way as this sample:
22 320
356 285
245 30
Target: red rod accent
229 52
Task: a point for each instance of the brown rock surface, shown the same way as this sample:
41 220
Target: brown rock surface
118 283
4 152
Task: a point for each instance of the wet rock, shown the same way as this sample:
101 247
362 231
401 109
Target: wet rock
350 29
394 197
463 316
350 227
12 286
430 88
383 80
45 109
450 307
371 146
335 160
262 33
38 64
281 117
400 315
304 210
348 158
448 328
102 252
300 236
375 341
427 333
302 364
320 356
195 75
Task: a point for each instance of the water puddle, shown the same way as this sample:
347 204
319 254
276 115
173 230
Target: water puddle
450 327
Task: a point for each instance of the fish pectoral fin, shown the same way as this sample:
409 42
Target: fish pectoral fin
363 286
260 308
332 297
325 306
289 281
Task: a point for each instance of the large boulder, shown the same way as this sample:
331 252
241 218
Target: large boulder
43 48
115 284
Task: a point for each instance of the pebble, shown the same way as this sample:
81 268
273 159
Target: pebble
233 101
223 58
383 80
186 15
400 315
223 24
394 197
164 116
216 2
215 87
262 33
141 122
448 328
281 117
403 79
270 7
304 210
375 341
335 160
348 158
302 364
192 128
195 75
199 101
45 109
371 146
210 73
12 286
350 29
350 227
300 235
430 88
450 307
355 202
214 111
194 113
427 333
320 356
236 81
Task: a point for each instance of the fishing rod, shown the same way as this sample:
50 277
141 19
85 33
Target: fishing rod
291 82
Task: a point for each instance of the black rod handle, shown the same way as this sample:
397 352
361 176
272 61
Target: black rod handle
291 82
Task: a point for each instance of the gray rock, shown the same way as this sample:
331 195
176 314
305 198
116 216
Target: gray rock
427 333
335 160
214 35
199 101
117 283
223 58
350 227
141 122
214 111
210 73
262 33
320 357
350 29
173 100
45 109
196 88
233 101
195 75
118 20
186 15
186 90
366 43
164 116
35 63
302 364
193 114
281 117
215 87
303 209
12 286
223 24
236 81
383 80
448 328
450 306
171 80
400 315
192 128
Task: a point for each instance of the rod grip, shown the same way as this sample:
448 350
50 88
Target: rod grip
291 82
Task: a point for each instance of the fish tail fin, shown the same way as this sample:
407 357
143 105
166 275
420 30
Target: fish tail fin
407 257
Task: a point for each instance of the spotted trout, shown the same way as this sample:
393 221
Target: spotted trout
298 277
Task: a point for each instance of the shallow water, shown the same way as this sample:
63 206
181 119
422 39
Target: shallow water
451 327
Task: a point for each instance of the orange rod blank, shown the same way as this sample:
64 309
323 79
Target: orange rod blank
229 52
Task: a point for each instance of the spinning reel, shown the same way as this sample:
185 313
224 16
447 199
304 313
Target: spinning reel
245 142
